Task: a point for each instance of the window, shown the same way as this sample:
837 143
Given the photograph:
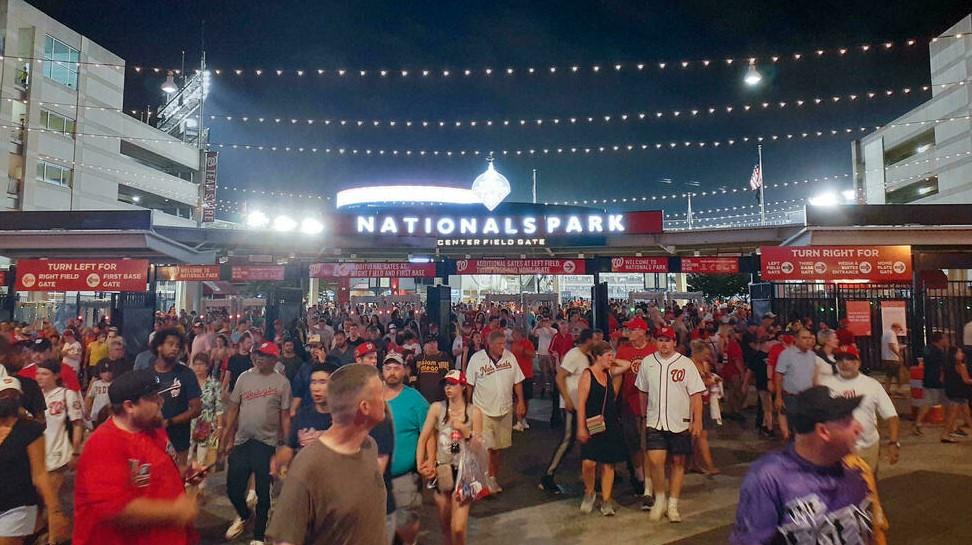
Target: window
53 174
61 62
912 192
57 122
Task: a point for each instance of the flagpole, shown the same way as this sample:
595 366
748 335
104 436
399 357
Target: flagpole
762 176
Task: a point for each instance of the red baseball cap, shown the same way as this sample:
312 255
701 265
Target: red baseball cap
636 323
364 348
455 376
666 332
268 348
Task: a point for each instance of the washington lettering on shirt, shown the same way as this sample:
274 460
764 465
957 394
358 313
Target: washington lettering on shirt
493 367
250 395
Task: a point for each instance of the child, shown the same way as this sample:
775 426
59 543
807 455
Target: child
96 399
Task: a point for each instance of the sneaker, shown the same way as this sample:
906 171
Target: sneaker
235 529
918 431
658 509
672 514
251 499
647 502
494 487
547 484
519 427
587 505
959 433
256 542
526 425
607 508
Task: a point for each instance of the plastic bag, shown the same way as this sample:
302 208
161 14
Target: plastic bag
472 481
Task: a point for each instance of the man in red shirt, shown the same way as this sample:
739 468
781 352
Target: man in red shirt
633 423
40 350
524 351
733 373
128 488
561 343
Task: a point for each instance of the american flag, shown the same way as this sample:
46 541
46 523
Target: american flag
756 180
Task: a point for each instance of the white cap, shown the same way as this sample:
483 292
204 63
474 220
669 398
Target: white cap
9 383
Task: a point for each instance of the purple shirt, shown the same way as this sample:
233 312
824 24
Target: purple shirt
785 499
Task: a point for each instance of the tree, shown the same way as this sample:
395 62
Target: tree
719 285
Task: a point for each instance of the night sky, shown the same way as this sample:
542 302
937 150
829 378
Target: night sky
458 35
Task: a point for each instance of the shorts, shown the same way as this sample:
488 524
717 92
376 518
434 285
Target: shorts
789 403
498 431
892 367
405 489
871 455
956 400
674 443
527 388
633 427
930 397
19 521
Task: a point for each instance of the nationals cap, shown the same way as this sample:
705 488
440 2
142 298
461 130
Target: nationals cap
393 357
455 376
636 323
269 348
364 349
9 383
665 332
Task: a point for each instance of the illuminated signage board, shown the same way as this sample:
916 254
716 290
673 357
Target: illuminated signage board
512 227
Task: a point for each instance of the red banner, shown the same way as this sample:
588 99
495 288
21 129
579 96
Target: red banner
521 266
3 278
268 272
82 275
859 318
190 273
372 270
639 264
829 263
710 265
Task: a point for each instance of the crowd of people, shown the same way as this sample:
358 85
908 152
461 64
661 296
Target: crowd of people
361 412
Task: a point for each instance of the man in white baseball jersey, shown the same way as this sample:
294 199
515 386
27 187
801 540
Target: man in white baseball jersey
670 386
851 383
495 377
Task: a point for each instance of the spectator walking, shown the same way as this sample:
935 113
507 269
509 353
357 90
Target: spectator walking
796 368
182 403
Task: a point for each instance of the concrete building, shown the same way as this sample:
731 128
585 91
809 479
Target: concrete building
908 161
70 144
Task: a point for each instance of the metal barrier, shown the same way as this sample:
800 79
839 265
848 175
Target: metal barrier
949 309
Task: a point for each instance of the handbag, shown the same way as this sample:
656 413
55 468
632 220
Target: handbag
596 424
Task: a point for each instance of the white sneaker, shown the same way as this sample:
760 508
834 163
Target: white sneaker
256 542
657 510
236 529
519 427
494 487
526 424
587 504
251 499
672 514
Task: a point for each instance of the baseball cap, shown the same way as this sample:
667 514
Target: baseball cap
313 340
136 384
432 339
104 365
68 333
455 376
636 323
769 316
268 348
393 357
364 348
10 383
40 345
817 405
665 332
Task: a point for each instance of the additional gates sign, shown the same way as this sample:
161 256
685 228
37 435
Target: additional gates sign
829 263
859 318
190 273
521 266
710 265
82 275
639 264
372 270
267 272
209 187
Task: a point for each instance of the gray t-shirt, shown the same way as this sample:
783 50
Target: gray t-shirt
797 368
261 398
331 499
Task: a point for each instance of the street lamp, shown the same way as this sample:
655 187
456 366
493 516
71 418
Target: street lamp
752 77
169 85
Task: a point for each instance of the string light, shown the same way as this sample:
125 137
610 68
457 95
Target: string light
570 120
579 150
518 71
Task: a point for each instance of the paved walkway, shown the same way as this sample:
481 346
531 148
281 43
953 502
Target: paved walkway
926 496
